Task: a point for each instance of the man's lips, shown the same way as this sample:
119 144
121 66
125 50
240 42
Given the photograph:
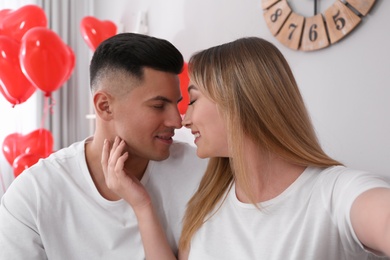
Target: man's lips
167 137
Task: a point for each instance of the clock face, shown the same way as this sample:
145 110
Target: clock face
309 33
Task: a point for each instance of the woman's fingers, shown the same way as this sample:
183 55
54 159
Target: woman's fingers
116 151
123 183
113 162
120 164
105 156
117 159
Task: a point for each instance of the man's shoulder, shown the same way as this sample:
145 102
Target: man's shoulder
64 160
52 175
69 152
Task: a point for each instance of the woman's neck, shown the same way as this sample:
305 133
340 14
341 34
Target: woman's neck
268 174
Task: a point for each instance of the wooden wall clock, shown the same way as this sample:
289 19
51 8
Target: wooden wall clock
319 31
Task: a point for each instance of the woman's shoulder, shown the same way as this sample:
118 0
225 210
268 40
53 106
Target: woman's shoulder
343 183
342 174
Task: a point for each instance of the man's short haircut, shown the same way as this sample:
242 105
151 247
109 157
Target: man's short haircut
131 52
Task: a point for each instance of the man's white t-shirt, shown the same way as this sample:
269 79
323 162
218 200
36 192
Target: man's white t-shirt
54 211
309 221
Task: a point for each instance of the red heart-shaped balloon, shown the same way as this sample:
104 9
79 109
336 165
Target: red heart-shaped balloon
184 80
16 23
38 142
24 161
45 59
71 65
94 31
14 85
3 13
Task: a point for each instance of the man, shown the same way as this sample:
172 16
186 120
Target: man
61 208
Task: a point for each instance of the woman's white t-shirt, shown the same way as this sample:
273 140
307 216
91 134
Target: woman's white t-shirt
309 220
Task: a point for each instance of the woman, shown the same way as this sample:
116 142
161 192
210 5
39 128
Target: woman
270 191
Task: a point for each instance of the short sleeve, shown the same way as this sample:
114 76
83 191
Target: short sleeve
340 187
19 238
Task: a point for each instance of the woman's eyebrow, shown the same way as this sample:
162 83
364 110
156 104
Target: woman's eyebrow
191 87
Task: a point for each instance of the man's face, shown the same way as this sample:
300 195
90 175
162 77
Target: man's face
147 116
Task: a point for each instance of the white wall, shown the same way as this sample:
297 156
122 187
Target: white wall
346 86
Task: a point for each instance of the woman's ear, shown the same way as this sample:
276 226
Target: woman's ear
102 102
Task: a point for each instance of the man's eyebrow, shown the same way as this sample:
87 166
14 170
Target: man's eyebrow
164 99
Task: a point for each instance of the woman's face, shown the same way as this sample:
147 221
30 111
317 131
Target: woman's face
206 124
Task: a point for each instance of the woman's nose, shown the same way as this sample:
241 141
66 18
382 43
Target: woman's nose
186 120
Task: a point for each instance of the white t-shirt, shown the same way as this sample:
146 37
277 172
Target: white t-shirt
54 211
309 220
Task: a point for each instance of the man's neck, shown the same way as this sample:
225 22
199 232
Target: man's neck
93 151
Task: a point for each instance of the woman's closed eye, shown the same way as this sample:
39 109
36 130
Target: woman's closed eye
192 102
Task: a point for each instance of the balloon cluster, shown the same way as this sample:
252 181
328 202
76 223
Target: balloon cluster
31 57
22 151
34 57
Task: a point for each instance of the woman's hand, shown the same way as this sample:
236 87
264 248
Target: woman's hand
127 186
118 179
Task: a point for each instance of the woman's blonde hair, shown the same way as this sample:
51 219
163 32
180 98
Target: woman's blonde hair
255 91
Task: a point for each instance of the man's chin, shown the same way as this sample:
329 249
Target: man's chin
160 157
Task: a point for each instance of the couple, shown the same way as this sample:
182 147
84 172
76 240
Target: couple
268 190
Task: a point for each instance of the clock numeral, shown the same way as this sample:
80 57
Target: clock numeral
314 35
276 15
293 26
291 32
340 21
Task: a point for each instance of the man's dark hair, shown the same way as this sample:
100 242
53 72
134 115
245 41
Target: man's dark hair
132 52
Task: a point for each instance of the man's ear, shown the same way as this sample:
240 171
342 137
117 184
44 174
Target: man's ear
102 102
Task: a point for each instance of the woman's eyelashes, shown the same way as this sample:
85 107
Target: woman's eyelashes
192 102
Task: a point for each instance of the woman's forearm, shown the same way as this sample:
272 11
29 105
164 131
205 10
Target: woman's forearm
153 237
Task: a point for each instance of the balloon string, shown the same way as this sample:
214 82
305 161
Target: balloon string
53 103
48 107
2 182
45 108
